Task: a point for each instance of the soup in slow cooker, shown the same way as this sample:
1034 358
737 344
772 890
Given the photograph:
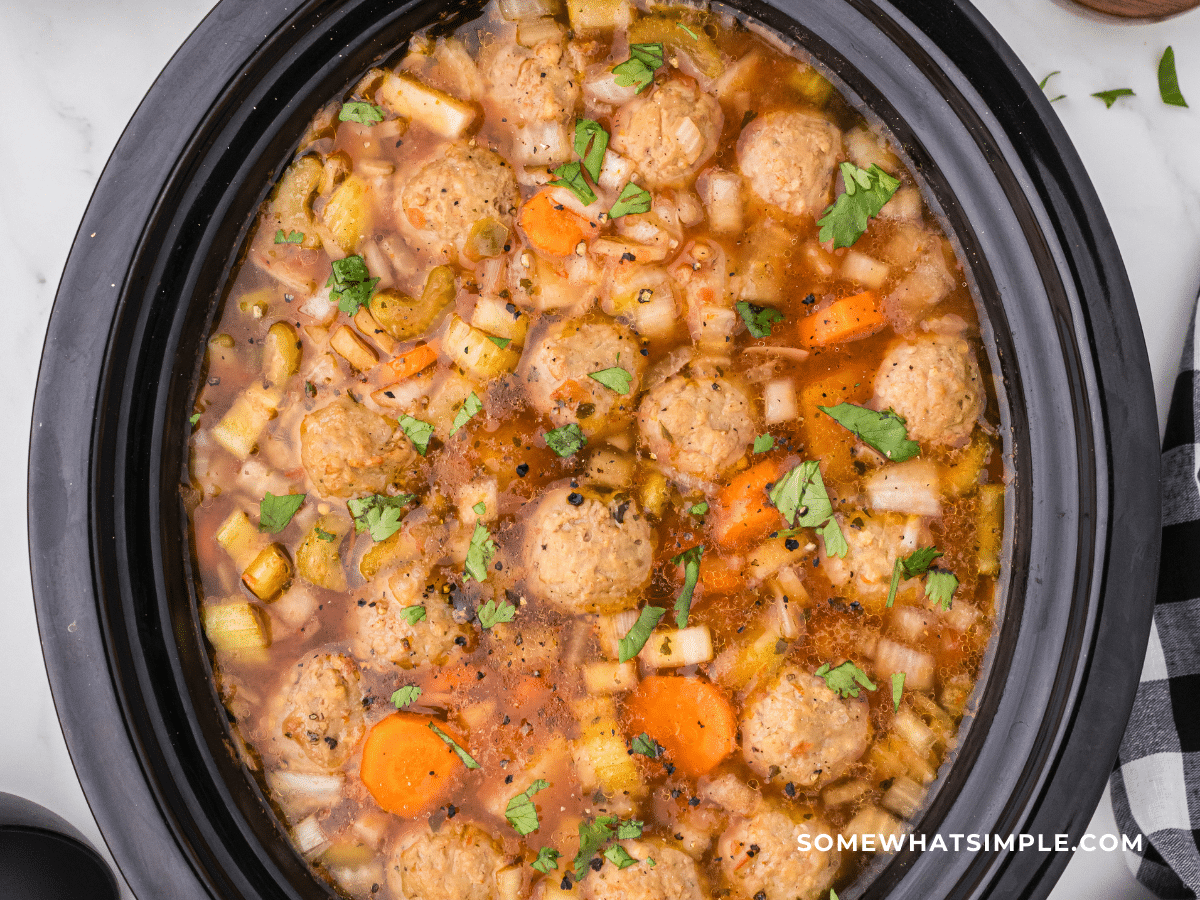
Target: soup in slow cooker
596 483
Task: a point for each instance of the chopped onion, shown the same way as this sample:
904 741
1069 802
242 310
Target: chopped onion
372 827
721 193
867 271
684 647
793 353
912 623
910 727
610 677
712 326
509 881
405 394
904 797
544 144
319 307
615 627
730 793
905 204
616 249
304 792
961 615
872 822
907 487
533 32
785 614
641 230
297 605
691 210
844 792
866 150
779 401
892 657
514 10
309 838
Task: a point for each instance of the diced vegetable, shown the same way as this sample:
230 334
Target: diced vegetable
240 428
238 537
305 792
470 349
743 511
439 112
962 476
601 758
874 824
869 272
269 573
989 527
235 625
654 492
721 193
812 85
412 361
824 438
352 348
599 15
292 203
405 318
515 10
673 648
347 215
738 666
610 677
310 837
846 319
688 716
552 228
779 401
892 656
669 31
406 766
909 487
904 797
281 354
487 239
501 318
373 331
318 559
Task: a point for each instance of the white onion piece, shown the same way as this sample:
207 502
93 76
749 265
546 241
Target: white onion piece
564 197
721 193
961 615
866 270
615 627
908 487
892 657
874 824
319 307
910 727
405 394
786 613
544 144
912 623
615 172
308 837
905 204
527 9
684 647
304 792
378 264
904 797
533 32
610 677
691 210
779 401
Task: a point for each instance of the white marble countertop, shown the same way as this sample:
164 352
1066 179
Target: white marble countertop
73 71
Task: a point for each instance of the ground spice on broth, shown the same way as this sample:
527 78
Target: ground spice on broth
496 568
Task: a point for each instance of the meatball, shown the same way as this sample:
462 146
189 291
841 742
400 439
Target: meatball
934 383
669 133
461 186
386 634
323 709
674 876
533 85
589 555
761 857
700 427
346 449
458 862
788 158
556 373
804 728
875 541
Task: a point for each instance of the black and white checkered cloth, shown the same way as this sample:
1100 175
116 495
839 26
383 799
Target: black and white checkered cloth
1156 785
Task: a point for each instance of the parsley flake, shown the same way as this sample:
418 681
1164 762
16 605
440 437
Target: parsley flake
469 409
1111 97
351 283
638 71
801 497
633 200
413 614
566 441
940 587
914 565
615 379
591 134
450 742
570 176
1042 85
282 237
758 319
361 112
763 443
323 535
378 514
417 431
619 857
845 680
275 513
700 508
1168 81
592 836
631 645
629 831
405 696
867 192
521 813
690 560
479 508
480 552
491 613
547 860
646 746
502 343
897 689
195 418
884 431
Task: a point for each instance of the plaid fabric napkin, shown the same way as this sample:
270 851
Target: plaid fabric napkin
1156 784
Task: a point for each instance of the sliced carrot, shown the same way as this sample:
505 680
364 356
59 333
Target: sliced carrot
847 319
552 228
824 438
410 362
405 765
720 575
689 717
743 509
572 392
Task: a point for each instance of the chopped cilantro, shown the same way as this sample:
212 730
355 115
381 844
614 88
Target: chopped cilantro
645 745
351 283
885 431
295 237
688 31
547 860
378 514
690 559
615 379
846 679
479 508
1111 97
638 71
940 587
570 176
619 857
417 431
897 689
801 497
867 191
631 645
591 133
758 319
521 813
1168 81
1045 81
480 552
323 535
914 565
502 343
633 199
566 441
763 443
629 831
469 409
450 742
592 836
274 513
361 112
699 509
195 418
405 695
492 613
413 614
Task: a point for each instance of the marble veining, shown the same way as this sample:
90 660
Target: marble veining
73 71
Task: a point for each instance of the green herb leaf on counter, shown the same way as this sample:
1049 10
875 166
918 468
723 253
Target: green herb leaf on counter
940 587
591 133
645 745
867 192
469 409
801 496
405 695
378 514
282 237
846 679
480 552
417 431
491 613
351 283
884 431
521 812
413 614
619 857
638 71
1042 85
274 513
758 319
631 645
566 441
361 112
700 508
615 379
688 31
547 860
763 443
1111 97
502 343
570 176
897 689
323 535
633 200
690 560
1168 81
468 761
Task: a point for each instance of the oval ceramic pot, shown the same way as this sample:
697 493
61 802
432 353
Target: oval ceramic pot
108 533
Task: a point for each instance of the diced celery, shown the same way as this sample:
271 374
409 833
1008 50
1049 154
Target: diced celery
599 15
238 537
235 625
240 428
352 348
347 215
292 203
269 572
439 112
281 353
318 559
989 527
477 356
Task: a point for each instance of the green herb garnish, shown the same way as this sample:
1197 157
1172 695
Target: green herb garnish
521 813
194 418
492 613
413 614
615 379
570 176
638 71
763 443
479 508
417 431
361 112
645 745
801 496
1168 81
867 192
690 560
885 431
502 343
688 31
897 689
631 645
378 514
758 319
282 237
469 409
591 140
940 587
619 857
1111 97
275 513
914 565
405 695
700 508
351 283
1042 85
633 200
846 679
323 535
480 552
547 860
449 742
566 441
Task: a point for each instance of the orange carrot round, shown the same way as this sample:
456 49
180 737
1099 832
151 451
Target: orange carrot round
688 716
550 227
846 319
405 765
743 510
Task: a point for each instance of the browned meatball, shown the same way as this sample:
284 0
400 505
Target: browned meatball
346 449
670 132
323 710
806 730
458 862
699 427
533 85
788 158
589 556
386 635
934 383
674 876
760 857
460 186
